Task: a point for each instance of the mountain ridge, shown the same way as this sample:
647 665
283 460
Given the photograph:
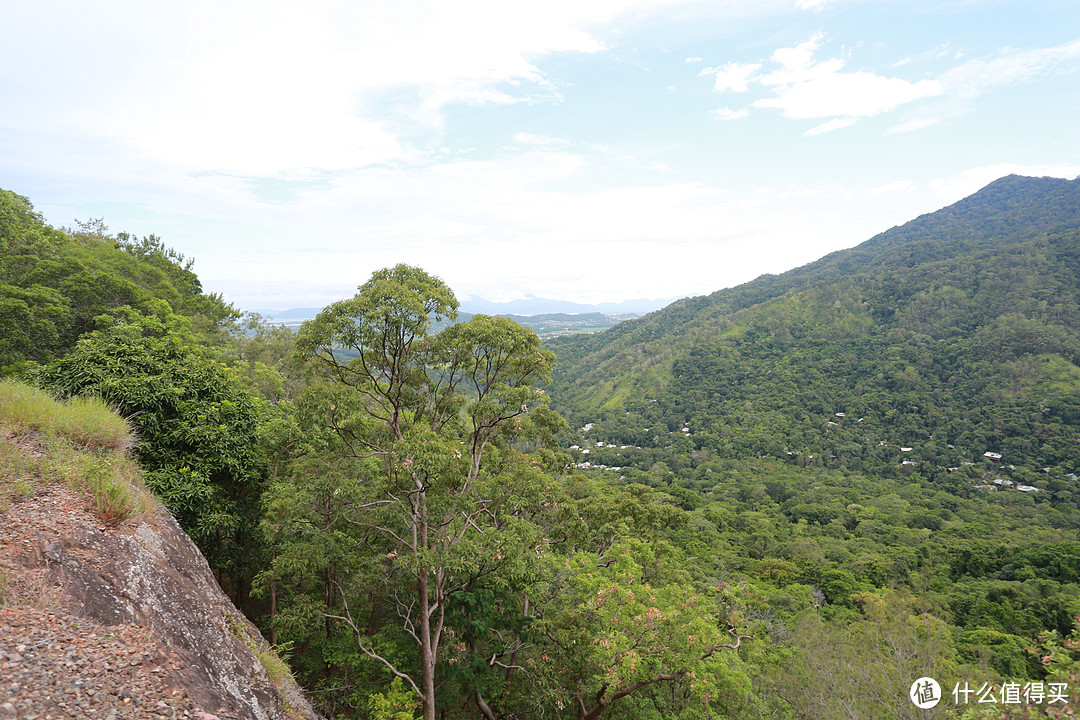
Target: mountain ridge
917 320
526 307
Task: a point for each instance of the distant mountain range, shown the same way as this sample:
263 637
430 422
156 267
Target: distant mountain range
528 306
546 325
532 305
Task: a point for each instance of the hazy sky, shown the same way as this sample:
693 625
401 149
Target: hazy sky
588 150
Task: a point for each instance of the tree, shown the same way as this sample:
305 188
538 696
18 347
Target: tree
197 427
617 630
54 284
862 668
429 424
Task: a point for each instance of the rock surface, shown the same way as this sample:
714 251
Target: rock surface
124 621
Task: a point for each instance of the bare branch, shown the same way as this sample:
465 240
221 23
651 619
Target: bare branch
406 616
493 662
488 713
374 503
386 531
347 619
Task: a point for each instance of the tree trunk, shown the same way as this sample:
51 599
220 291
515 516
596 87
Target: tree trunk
427 651
427 654
273 612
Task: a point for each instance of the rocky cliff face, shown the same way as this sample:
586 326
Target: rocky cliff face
123 621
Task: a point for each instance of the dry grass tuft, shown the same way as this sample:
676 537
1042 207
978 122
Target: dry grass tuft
80 442
87 421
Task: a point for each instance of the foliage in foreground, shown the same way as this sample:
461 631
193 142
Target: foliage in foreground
197 424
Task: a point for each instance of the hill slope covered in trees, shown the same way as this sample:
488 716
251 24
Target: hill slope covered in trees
953 335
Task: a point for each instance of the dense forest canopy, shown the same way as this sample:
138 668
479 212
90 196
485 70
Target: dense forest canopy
54 284
771 502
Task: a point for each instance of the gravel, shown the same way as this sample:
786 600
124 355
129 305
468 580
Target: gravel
54 665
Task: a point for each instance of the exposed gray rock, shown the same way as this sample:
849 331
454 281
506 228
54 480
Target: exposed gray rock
148 572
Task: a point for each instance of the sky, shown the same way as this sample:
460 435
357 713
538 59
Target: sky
583 150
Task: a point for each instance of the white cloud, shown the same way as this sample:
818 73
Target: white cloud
478 224
282 85
834 124
525 138
301 143
823 91
811 4
729 114
808 89
912 125
964 84
1013 67
803 87
801 57
733 76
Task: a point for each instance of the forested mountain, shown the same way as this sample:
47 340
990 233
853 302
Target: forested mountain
828 428
953 335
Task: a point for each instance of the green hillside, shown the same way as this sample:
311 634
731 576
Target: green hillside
953 335
825 430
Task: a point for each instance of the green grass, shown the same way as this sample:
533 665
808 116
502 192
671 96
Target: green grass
84 420
81 442
273 658
18 473
277 669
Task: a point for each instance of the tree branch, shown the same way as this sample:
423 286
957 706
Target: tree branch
347 618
